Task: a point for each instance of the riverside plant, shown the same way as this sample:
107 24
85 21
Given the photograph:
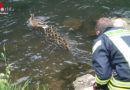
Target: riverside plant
4 77
5 83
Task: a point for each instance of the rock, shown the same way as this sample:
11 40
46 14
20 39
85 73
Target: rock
121 22
72 23
84 82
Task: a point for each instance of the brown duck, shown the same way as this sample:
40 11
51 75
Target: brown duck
36 23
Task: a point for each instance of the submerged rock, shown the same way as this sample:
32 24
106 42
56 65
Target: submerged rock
72 23
84 82
56 85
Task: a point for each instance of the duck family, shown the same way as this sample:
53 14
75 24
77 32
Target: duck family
50 32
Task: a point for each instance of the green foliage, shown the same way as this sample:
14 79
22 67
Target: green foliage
4 77
3 54
5 84
38 85
44 87
25 85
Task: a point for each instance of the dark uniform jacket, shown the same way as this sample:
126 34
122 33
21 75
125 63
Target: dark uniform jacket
111 58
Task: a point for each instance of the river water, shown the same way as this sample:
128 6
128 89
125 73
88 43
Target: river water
35 56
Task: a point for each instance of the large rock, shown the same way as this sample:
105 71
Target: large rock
84 82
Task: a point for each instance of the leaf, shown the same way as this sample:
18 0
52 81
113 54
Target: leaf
3 81
2 74
4 48
38 85
7 71
3 56
25 84
7 76
44 87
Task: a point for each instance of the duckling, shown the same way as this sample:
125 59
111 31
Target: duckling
56 36
62 39
66 44
49 31
51 36
47 35
45 31
53 28
59 42
54 33
36 23
69 47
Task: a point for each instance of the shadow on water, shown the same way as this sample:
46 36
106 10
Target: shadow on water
35 56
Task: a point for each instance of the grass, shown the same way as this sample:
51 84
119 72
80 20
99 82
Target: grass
5 83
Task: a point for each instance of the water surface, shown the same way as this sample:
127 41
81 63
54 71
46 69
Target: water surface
35 56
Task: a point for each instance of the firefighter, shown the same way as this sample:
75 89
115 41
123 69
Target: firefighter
111 56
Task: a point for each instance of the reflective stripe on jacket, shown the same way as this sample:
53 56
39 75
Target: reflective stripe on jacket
111 53
118 85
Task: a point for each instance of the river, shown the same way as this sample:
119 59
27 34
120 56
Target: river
35 56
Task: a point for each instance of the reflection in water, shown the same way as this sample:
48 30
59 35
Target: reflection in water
35 56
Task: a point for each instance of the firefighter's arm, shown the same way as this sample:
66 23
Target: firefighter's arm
101 63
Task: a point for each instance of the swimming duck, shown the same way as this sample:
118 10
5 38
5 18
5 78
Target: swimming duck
36 23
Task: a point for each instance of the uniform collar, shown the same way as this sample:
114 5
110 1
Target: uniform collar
108 29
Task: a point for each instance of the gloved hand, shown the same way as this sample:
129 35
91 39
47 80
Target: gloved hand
99 87
95 87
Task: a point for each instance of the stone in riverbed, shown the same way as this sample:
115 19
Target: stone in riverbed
84 82
72 24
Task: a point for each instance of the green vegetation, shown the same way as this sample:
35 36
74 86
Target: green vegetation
5 83
4 77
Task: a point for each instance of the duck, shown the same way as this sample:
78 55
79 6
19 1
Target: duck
36 23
